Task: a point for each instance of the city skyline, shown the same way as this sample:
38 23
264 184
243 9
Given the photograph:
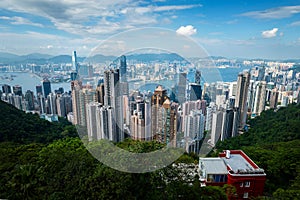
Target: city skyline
252 29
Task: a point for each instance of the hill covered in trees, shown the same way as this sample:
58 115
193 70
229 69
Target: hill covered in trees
273 142
43 160
23 128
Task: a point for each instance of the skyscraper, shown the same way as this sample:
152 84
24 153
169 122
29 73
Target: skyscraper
217 126
91 118
195 92
6 89
39 90
51 98
123 69
194 129
260 97
182 88
29 98
46 87
157 100
100 93
123 75
74 62
113 98
241 97
17 89
198 77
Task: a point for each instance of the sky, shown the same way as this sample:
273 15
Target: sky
235 29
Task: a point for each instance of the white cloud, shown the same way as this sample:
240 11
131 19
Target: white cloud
274 13
296 23
175 7
96 17
270 33
186 30
20 21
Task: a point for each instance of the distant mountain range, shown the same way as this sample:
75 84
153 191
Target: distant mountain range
37 58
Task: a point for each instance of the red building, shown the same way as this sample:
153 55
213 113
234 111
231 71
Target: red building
233 167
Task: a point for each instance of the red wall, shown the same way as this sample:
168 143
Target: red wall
256 188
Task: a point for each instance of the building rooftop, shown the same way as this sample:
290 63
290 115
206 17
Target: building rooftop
213 165
233 161
238 162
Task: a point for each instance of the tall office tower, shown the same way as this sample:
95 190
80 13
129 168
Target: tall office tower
232 89
17 89
91 120
251 95
195 92
68 103
182 88
123 76
221 101
236 121
123 69
10 99
74 62
198 77
113 97
231 102
137 119
51 98
60 105
157 101
274 98
106 129
217 126
73 76
194 130
29 98
39 90
209 111
41 103
188 106
241 97
227 124
169 122
6 89
86 96
260 98
47 87
18 102
100 93
76 90
175 124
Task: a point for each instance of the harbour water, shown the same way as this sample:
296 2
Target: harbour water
29 81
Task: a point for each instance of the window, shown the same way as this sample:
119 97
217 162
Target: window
247 184
245 196
241 185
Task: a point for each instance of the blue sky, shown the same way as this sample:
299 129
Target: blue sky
247 29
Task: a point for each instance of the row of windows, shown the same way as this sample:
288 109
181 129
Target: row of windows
245 184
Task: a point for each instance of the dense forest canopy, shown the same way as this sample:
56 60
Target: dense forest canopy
43 160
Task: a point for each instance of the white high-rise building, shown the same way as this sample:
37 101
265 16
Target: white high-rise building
217 126
260 98
113 97
241 97
91 119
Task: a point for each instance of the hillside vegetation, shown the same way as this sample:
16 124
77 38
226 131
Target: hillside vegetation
273 142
